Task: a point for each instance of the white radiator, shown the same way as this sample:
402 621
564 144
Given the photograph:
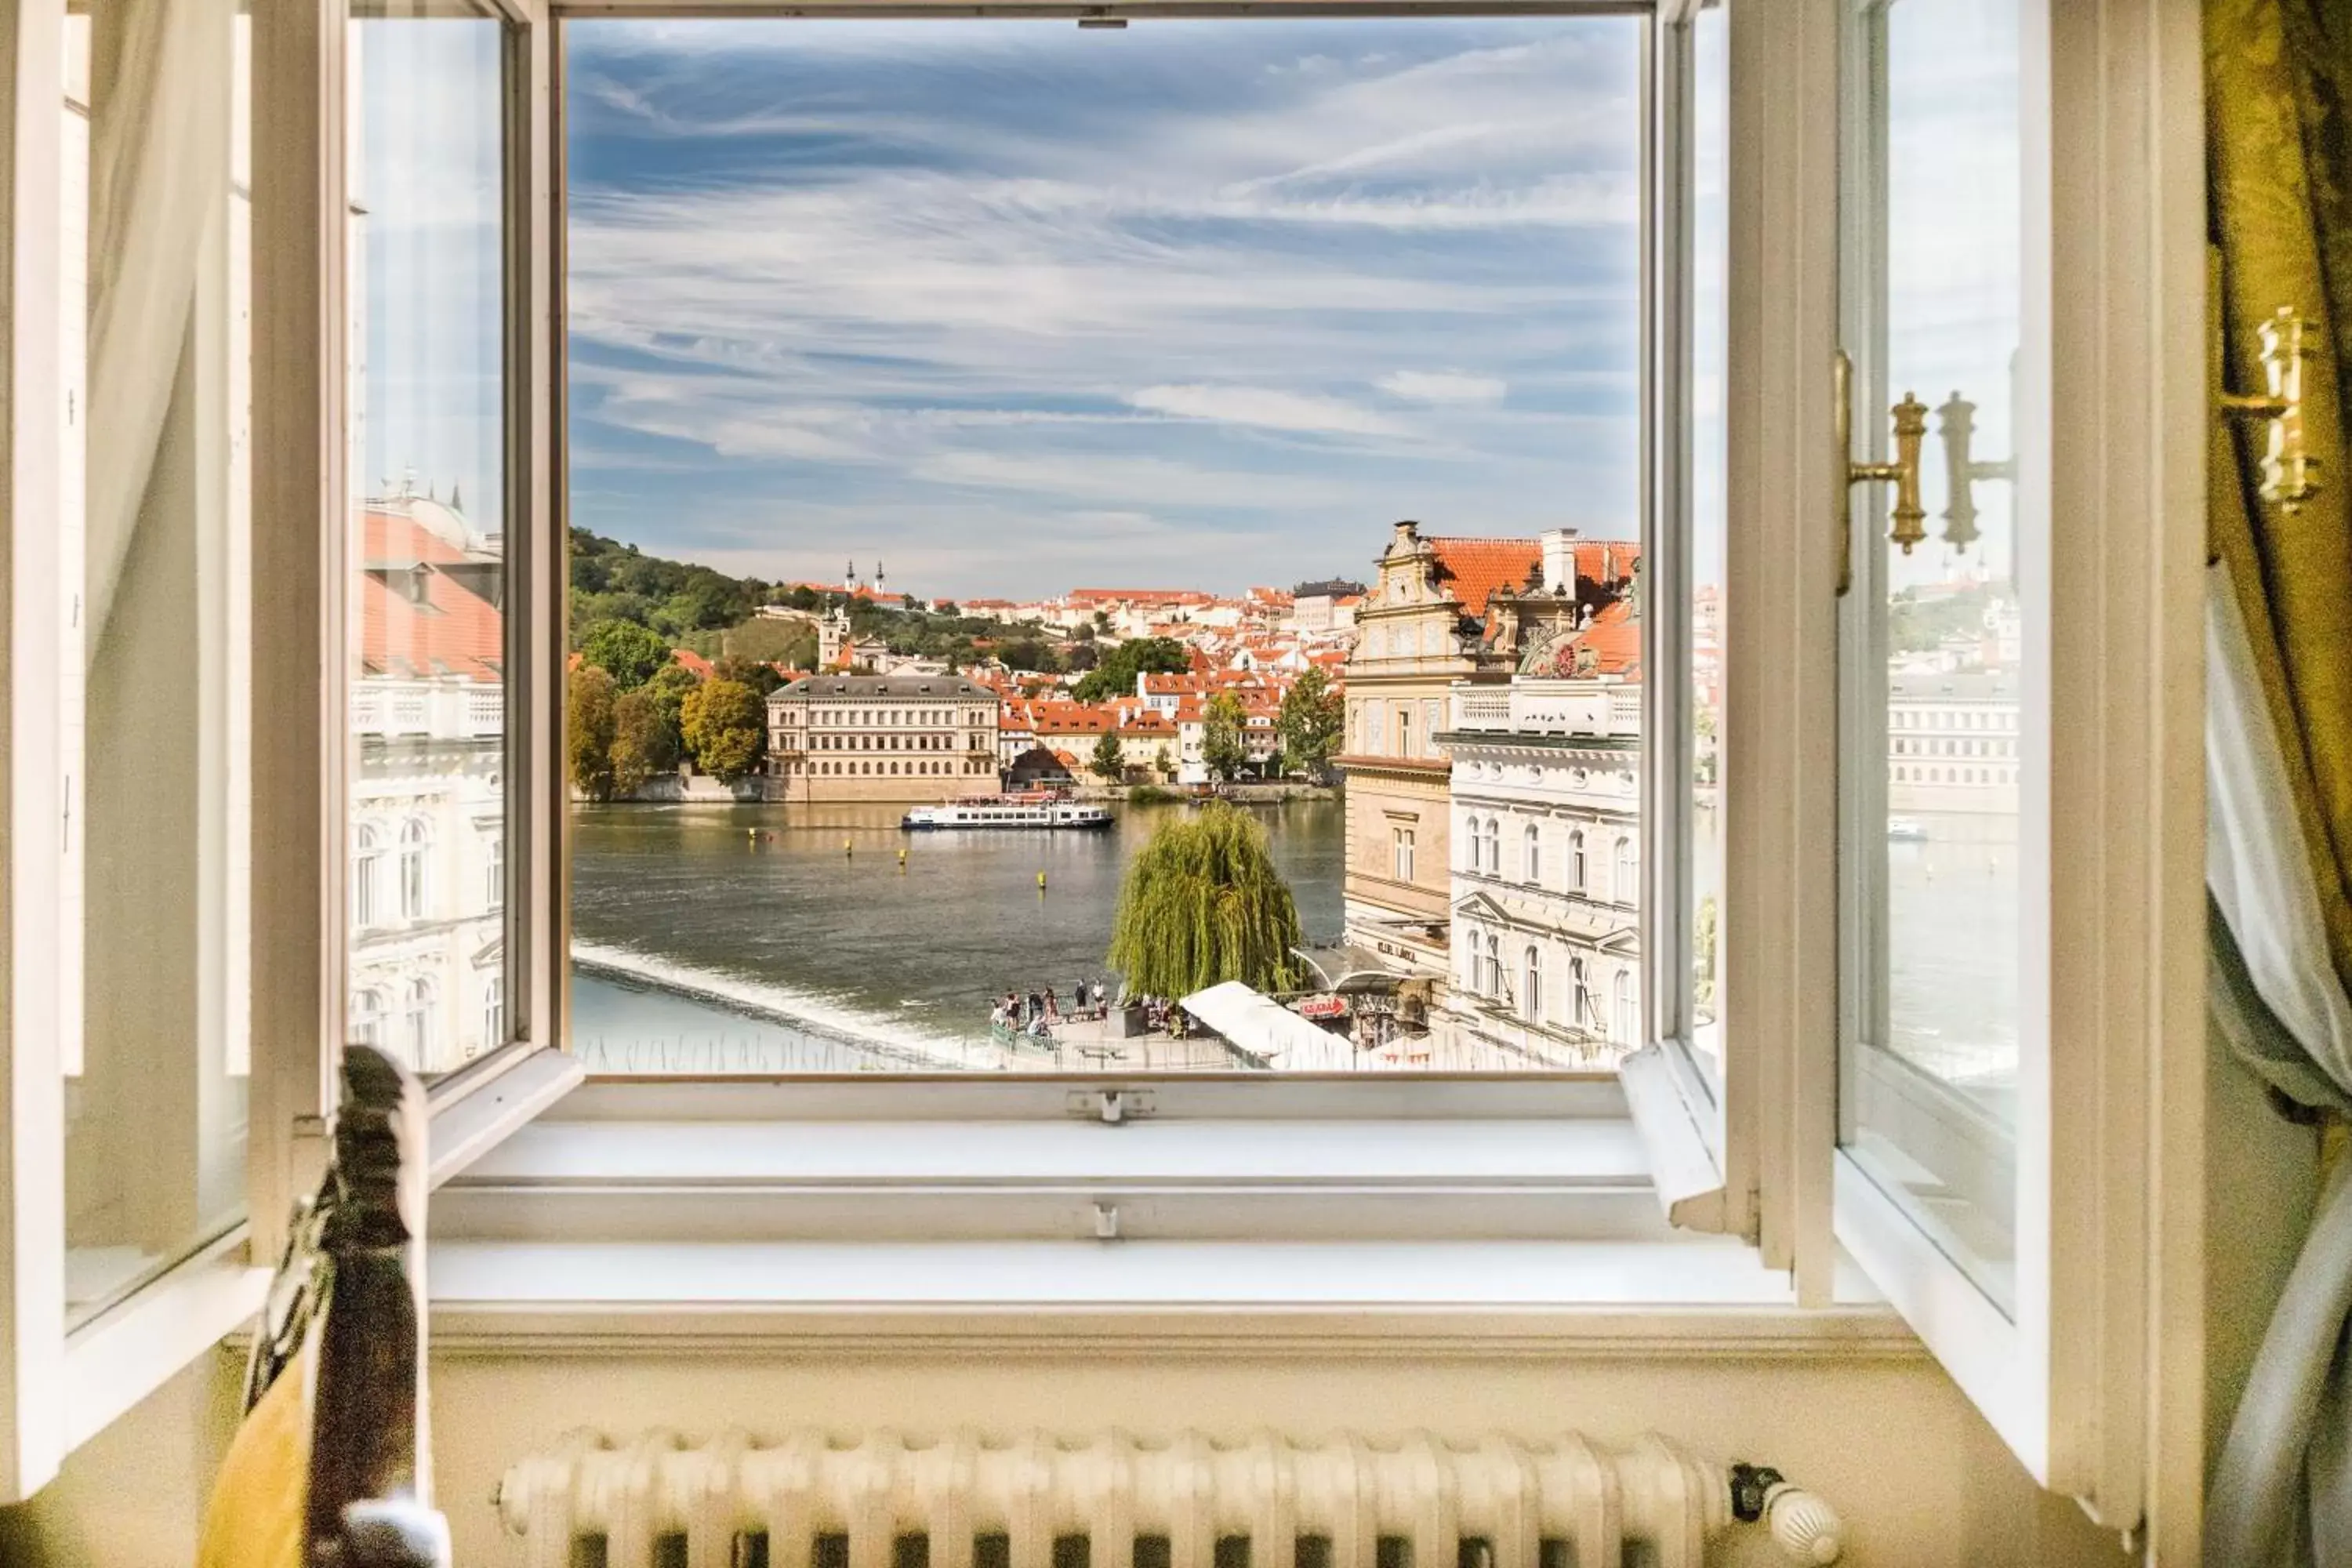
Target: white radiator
892 1501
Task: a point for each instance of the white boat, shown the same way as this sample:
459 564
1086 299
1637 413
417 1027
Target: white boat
1032 809
1906 829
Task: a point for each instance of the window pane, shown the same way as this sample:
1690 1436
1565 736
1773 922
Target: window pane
1711 304
984 435
428 524
1929 1087
156 535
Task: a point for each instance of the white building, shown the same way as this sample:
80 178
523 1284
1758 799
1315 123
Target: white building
1951 743
428 829
1546 898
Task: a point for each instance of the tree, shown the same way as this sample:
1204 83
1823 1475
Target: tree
588 731
627 651
1114 675
1204 904
645 741
725 725
1110 758
668 686
1161 765
1080 656
1312 718
1222 747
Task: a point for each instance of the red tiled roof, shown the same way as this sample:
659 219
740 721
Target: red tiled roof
1614 640
1606 561
1471 569
1138 596
692 661
449 630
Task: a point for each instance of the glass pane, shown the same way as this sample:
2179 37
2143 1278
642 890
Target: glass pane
1711 304
156 526
987 435
428 524
1930 1092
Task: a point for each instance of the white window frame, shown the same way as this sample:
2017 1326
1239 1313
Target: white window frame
59 1388
1752 1153
2079 1382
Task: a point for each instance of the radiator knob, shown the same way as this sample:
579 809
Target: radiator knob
1805 1528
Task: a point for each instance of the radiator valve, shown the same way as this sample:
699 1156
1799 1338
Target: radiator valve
1803 1527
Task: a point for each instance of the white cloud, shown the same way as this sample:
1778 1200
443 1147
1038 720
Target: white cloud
1268 409
1446 387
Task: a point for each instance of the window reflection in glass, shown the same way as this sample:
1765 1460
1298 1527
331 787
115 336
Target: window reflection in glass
1710 300
428 528
1929 1099
155 538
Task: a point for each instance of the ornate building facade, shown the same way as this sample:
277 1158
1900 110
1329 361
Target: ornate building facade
1443 616
1546 881
882 737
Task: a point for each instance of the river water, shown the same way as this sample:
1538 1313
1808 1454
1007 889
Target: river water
789 938
765 938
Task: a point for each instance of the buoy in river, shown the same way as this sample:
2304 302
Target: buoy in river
1041 881
847 847
902 859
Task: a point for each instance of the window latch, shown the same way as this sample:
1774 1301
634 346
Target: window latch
1111 1106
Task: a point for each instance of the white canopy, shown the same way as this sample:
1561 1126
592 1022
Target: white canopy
1264 1027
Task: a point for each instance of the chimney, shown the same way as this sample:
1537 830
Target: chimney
1558 561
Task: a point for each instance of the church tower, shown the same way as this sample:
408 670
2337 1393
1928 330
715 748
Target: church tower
832 638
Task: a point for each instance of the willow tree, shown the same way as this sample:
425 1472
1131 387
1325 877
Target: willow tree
1203 903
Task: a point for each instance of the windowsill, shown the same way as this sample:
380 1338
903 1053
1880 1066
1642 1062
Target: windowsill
1698 1296
644 1214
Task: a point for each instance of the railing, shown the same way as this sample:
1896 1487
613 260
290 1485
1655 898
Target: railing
436 710
1603 710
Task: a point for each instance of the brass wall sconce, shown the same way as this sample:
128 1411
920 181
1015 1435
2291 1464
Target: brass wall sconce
1907 516
1956 424
2290 473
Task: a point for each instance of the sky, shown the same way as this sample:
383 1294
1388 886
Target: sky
1013 307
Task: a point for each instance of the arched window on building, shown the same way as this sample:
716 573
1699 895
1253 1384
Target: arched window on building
366 1026
1625 891
1576 860
1532 984
1579 994
1626 1022
415 839
420 1023
494 873
367 873
494 1013
1493 965
1493 847
1532 845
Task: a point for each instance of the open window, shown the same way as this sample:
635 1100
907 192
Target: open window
1657 876
186 880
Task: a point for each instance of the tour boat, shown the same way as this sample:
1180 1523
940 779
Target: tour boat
1906 830
1033 808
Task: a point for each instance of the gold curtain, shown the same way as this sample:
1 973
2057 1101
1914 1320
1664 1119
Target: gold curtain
2278 74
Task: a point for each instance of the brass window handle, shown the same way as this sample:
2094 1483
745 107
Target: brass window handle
1908 515
2290 473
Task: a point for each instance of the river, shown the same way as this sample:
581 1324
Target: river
789 938
763 939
